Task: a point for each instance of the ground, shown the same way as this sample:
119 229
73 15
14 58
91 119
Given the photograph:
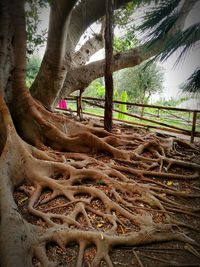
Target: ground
152 197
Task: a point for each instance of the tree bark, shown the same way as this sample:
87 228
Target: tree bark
5 55
79 78
19 46
88 49
53 68
108 66
84 15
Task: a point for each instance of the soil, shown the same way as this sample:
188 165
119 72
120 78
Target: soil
172 253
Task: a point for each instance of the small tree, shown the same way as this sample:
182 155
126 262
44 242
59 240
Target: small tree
140 82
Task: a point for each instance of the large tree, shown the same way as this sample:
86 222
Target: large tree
58 188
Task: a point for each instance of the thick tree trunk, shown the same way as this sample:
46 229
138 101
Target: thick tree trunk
19 46
5 57
55 62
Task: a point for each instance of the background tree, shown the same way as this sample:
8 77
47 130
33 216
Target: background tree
95 89
140 82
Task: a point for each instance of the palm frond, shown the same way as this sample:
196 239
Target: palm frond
161 30
186 39
159 13
192 85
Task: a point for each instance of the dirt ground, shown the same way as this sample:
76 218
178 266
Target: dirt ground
170 253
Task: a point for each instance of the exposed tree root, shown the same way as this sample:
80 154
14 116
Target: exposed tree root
70 197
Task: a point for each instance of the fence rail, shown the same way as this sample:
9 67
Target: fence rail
191 121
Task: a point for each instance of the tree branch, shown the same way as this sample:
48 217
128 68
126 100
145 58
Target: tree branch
88 49
81 77
84 15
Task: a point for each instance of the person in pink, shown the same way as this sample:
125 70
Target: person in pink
62 104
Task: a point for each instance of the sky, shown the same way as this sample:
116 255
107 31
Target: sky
174 75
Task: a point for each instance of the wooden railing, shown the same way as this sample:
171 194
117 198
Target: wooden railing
192 121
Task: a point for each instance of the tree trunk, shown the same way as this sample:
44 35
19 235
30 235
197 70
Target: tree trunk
54 65
108 66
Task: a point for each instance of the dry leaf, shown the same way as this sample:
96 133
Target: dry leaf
22 200
169 183
99 225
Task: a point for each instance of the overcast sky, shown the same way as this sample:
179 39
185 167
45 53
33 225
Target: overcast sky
173 75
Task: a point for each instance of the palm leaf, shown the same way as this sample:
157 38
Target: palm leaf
192 84
161 30
157 14
186 39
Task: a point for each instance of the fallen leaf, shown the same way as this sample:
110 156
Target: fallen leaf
169 183
22 200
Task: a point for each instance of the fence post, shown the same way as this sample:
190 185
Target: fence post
77 111
158 114
193 126
79 105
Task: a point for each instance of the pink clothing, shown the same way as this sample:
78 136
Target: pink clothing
62 104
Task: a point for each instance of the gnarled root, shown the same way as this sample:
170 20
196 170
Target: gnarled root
70 197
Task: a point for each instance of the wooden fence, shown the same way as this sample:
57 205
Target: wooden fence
192 121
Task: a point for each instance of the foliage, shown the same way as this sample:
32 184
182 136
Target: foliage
192 85
35 39
125 42
95 89
158 22
32 68
139 82
185 39
122 15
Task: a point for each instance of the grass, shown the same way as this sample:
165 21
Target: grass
175 118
